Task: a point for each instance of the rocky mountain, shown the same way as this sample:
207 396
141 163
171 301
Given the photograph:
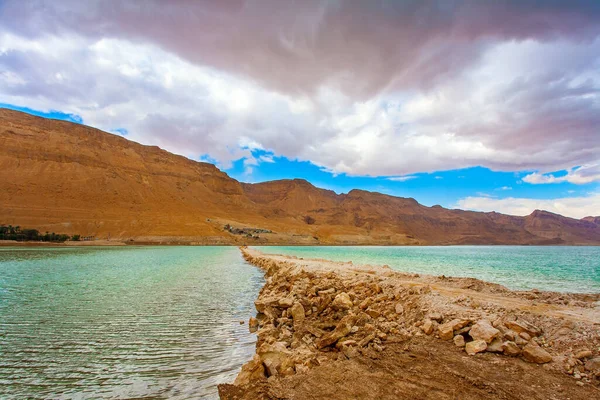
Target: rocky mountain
69 178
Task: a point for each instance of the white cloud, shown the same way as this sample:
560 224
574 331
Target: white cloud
579 176
574 207
504 188
306 84
401 178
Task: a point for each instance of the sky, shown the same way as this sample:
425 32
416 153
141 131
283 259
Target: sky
466 104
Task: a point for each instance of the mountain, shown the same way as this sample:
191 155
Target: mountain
69 178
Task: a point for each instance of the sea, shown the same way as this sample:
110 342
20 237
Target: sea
164 322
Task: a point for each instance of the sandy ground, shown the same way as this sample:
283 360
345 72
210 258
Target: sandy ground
329 330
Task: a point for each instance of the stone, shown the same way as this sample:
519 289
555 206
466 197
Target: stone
399 308
446 331
286 302
273 356
436 316
342 302
523 326
510 349
476 346
252 324
373 313
427 327
251 371
459 341
593 365
526 336
483 330
495 346
298 314
583 354
535 354
343 328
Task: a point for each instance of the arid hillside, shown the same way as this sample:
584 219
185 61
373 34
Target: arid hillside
69 178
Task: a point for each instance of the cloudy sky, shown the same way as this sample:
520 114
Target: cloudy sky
470 104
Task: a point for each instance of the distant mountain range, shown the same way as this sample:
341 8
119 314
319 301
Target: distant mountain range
69 178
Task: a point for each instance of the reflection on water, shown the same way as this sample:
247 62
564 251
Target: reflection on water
156 322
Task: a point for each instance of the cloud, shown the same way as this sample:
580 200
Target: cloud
574 207
362 88
504 188
401 178
578 175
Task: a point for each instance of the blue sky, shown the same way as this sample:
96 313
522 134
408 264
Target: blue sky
476 105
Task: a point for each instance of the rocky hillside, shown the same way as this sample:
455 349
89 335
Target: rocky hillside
64 177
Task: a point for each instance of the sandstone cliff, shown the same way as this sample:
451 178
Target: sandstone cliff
64 177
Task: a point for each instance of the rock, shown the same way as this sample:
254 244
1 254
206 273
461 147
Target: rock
373 313
328 291
593 365
298 315
286 302
483 330
342 329
273 356
523 326
459 341
399 308
535 354
251 371
496 346
511 349
436 316
526 336
476 346
446 331
427 327
252 324
583 354
342 301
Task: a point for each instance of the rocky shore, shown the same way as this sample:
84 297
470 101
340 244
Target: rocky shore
337 330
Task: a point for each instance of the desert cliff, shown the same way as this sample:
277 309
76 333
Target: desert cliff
65 177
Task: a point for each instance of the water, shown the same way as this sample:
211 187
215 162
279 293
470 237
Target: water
557 268
134 322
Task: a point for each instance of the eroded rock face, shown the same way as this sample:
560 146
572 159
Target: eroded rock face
251 371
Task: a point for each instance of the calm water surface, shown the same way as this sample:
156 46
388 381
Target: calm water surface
559 268
134 322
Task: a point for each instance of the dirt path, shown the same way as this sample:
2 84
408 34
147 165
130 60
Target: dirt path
330 330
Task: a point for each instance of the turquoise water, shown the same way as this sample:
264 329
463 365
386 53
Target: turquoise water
134 322
557 268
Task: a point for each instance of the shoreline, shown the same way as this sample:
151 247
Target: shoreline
324 327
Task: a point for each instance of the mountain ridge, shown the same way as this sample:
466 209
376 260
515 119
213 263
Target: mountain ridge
67 177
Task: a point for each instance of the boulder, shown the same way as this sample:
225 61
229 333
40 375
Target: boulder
535 354
459 341
476 346
286 302
483 330
342 329
297 312
593 365
446 331
427 327
253 324
523 326
510 348
399 308
342 302
583 354
273 356
251 371
495 346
